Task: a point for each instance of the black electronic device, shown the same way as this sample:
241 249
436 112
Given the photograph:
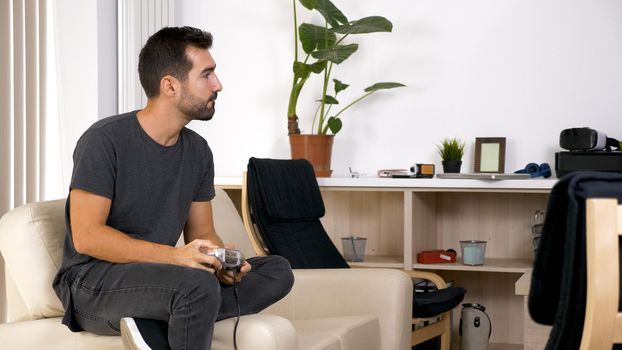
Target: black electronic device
231 259
567 162
582 139
423 170
586 139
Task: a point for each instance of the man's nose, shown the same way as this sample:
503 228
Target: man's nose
217 84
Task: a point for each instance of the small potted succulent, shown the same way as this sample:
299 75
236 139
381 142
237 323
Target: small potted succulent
451 151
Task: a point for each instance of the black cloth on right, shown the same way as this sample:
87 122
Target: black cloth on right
286 205
559 280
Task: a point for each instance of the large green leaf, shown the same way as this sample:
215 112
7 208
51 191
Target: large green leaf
382 86
336 54
331 13
372 24
318 67
314 37
329 100
339 86
334 124
301 70
309 4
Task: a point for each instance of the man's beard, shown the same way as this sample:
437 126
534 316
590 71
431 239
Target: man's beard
196 109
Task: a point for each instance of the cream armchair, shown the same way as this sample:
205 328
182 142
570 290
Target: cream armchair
326 309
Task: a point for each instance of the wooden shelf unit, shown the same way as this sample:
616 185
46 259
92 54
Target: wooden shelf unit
384 261
490 265
400 217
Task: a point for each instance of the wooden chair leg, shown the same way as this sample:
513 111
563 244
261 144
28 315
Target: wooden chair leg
446 336
442 328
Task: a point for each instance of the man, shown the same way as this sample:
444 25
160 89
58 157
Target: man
139 179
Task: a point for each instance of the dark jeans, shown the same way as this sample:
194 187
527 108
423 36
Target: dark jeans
188 300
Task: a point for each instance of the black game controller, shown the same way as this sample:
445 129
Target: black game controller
231 259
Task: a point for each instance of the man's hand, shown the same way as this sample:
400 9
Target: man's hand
228 277
193 255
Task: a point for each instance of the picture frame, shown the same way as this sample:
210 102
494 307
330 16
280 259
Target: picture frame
489 155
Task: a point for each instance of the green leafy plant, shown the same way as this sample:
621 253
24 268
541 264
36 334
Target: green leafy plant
451 149
324 45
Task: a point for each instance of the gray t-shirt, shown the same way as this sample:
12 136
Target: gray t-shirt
151 186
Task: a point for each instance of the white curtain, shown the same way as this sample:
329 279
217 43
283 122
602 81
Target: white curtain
22 101
22 107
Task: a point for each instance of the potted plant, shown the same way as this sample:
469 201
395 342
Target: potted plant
323 49
451 151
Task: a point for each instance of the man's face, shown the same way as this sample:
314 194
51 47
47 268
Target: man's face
199 91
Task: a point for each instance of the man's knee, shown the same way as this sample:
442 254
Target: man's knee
278 270
286 276
284 272
199 287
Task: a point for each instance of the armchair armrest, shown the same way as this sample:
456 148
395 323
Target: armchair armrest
266 332
322 293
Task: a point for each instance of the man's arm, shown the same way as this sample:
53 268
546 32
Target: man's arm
91 236
200 226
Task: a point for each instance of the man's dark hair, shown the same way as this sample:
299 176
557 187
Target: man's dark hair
165 54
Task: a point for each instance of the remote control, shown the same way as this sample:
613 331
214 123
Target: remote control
231 259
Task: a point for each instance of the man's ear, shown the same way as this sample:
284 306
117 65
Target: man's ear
169 86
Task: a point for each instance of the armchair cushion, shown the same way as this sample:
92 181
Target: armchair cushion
350 332
327 293
51 334
31 242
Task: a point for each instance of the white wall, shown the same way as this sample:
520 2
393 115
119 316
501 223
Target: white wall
76 59
107 57
86 62
523 69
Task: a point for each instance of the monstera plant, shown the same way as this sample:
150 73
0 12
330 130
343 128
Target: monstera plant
324 47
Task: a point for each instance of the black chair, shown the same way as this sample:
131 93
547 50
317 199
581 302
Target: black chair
282 206
559 285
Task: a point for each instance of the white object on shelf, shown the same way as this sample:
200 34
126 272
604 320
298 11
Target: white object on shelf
473 252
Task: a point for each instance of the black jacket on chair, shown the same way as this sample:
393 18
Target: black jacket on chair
559 280
287 205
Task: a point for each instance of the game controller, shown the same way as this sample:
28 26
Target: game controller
231 259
